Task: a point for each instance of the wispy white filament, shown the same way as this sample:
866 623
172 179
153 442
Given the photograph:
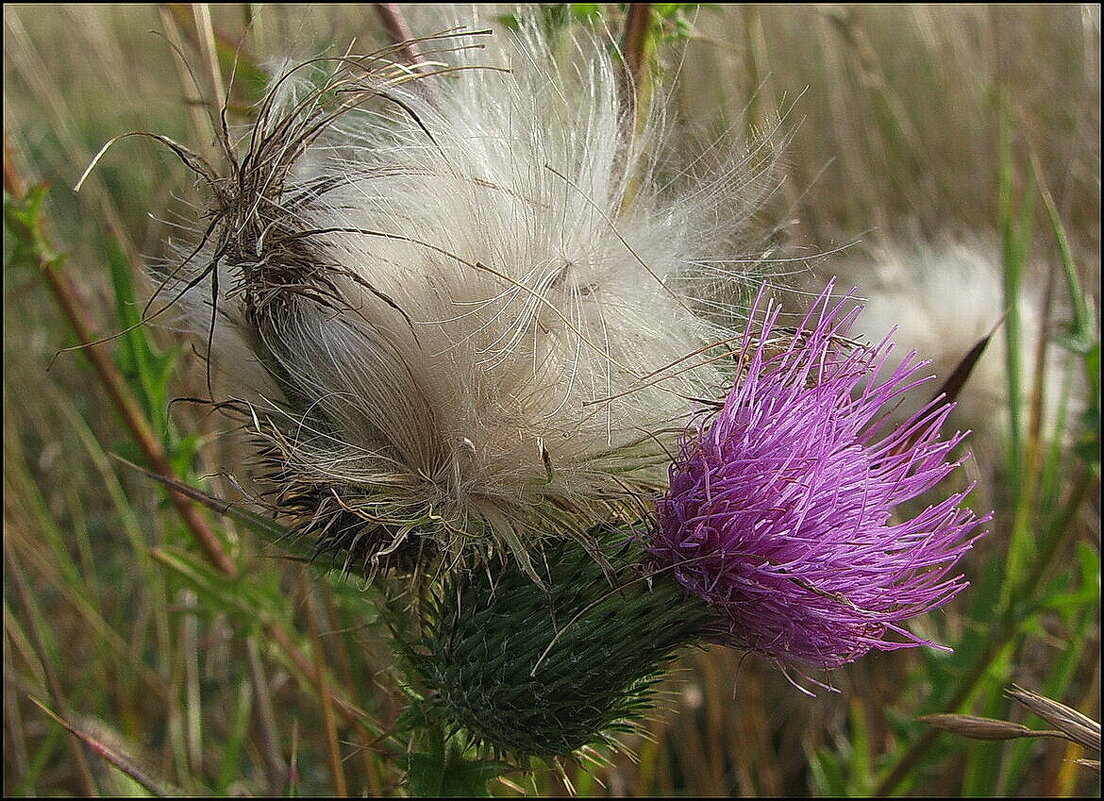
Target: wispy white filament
470 324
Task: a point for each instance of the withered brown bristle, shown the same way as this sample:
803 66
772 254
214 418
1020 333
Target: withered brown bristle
342 539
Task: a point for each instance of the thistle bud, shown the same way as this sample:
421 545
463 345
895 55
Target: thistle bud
532 672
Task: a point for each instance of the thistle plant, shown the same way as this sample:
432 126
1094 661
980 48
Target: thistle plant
466 323
777 535
388 405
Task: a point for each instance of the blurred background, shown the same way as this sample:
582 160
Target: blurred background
944 159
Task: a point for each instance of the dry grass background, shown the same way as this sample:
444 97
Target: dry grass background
894 126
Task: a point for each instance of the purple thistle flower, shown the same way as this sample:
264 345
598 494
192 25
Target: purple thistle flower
780 508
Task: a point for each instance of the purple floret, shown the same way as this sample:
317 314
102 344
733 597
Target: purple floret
780 508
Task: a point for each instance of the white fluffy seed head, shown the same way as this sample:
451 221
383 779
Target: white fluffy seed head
461 309
942 298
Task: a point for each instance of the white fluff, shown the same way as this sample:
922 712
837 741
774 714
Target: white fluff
942 298
515 319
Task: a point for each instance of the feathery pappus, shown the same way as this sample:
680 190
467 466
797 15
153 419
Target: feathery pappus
944 296
463 304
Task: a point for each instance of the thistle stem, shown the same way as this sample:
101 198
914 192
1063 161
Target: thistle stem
399 32
636 47
69 301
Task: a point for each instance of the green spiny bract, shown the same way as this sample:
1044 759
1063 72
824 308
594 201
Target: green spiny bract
527 671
